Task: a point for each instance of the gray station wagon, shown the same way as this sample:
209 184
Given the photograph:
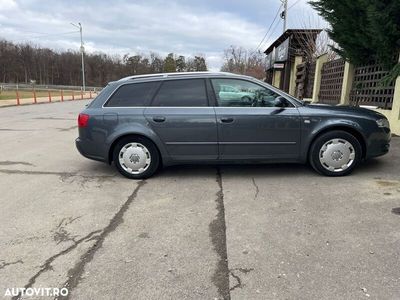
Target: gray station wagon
144 122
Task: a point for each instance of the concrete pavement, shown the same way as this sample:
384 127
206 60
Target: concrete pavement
190 232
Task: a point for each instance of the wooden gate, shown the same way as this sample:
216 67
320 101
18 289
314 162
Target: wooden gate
331 81
310 80
305 74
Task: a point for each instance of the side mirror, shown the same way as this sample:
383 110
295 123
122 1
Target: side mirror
280 102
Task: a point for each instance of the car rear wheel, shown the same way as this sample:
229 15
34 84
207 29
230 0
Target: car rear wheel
136 157
335 153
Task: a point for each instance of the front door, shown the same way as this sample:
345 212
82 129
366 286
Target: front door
182 118
250 126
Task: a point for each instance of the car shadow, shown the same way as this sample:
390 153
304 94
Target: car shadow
250 170
373 167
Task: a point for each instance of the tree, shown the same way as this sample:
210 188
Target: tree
181 64
364 30
242 61
200 63
156 63
235 60
170 63
25 62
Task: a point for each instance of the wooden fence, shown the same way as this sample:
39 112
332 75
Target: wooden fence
367 89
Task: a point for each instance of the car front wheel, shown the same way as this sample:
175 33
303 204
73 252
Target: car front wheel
335 153
136 157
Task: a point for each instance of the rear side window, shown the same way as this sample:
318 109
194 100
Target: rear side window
188 92
133 95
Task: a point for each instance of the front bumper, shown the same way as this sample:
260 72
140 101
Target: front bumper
379 143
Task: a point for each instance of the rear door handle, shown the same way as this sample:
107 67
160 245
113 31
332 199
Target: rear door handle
226 120
159 119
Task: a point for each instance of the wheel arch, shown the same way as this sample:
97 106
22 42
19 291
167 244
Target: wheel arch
346 128
133 135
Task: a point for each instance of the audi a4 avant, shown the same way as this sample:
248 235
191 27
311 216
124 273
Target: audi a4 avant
144 122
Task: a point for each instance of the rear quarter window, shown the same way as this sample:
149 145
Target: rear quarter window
132 95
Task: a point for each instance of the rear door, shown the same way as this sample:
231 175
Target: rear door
250 126
181 116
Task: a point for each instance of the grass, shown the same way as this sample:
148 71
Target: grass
11 94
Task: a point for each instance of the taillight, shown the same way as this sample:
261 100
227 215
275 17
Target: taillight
83 120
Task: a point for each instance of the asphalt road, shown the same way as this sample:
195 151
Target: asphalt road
191 232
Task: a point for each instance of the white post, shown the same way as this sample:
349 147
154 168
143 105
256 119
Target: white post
82 49
348 78
317 78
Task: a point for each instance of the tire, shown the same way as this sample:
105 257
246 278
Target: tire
136 157
335 153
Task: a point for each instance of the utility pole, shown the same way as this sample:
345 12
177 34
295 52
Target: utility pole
82 53
284 14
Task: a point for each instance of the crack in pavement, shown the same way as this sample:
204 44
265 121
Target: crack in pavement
63 175
75 274
256 187
53 118
396 210
239 283
47 264
9 129
217 230
67 221
9 163
4 264
67 129
60 234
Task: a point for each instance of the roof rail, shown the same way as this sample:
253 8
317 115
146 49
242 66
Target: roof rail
175 74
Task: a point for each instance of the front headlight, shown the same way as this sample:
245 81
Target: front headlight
383 123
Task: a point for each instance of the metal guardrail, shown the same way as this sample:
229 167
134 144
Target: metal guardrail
24 86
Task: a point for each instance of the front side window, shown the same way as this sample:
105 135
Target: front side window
133 95
242 93
184 93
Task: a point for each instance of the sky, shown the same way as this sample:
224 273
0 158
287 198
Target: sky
184 27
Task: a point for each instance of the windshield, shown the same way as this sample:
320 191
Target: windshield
297 101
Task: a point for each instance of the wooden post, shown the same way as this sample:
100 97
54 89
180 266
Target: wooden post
49 95
90 95
348 78
81 94
293 72
17 94
73 96
394 119
62 96
393 115
34 96
317 78
276 79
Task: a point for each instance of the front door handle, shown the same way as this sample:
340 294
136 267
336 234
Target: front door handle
226 120
159 119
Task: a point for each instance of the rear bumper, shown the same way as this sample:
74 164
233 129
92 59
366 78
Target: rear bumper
83 150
